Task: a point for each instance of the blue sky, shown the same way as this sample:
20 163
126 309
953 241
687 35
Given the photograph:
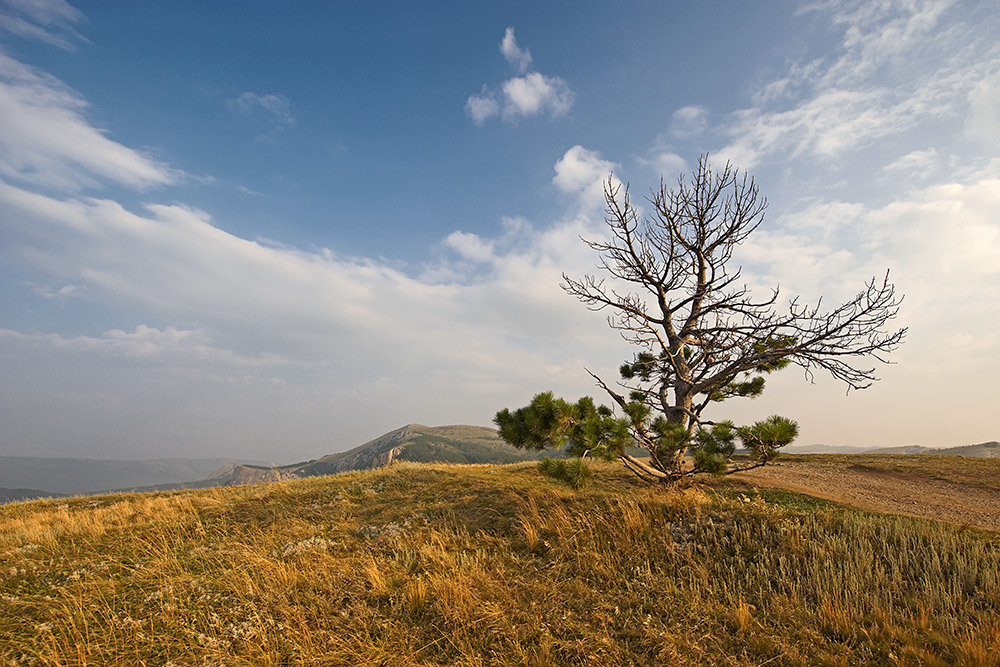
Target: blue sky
239 230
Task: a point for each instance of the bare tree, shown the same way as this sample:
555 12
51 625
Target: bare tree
700 335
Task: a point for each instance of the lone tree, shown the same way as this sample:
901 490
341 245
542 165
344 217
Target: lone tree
700 336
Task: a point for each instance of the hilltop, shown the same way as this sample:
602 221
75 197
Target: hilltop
415 443
419 564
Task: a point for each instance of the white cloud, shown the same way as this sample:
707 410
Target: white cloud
187 346
923 162
689 121
941 243
983 123
535 93
829 124
50 21
59 295
250 193
531 94
46 140
365 318
669 165
482 107
470 246
514 54
583 172
900 64
269 114
880 34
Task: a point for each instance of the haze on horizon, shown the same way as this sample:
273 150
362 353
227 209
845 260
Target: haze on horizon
274 235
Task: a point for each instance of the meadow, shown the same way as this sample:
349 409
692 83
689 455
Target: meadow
421 564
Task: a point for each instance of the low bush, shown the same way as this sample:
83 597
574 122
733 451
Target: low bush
575 472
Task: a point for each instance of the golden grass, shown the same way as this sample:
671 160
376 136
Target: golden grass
488 565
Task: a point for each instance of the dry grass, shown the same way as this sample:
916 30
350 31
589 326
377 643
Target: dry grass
971 471
487 565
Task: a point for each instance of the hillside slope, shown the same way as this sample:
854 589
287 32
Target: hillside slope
472 565
415 443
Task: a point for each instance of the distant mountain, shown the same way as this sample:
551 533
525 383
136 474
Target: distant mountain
824 449
15 495
905 449
982 450
415 442
72 476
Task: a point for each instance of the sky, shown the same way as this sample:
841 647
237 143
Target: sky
245 230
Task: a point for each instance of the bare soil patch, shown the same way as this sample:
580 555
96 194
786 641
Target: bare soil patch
874 487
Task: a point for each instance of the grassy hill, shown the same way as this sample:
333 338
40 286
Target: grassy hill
442 564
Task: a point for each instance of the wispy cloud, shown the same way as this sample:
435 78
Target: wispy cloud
57 294
311 307
871 89
918 163
50 21
185 346
46 140
689 121
249 192
514 54
269 114
582 172
530 94
983 123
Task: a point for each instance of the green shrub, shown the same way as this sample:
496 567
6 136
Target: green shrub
575 472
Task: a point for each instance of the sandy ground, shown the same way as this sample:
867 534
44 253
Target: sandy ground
881 491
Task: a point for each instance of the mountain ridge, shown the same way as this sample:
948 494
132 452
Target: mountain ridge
69 476
987 449
413 442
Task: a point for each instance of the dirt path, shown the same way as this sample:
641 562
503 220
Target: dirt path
908 493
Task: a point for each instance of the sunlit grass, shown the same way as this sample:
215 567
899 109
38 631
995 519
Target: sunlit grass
484 565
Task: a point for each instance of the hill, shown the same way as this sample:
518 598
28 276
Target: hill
438 564
985 449
414 443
